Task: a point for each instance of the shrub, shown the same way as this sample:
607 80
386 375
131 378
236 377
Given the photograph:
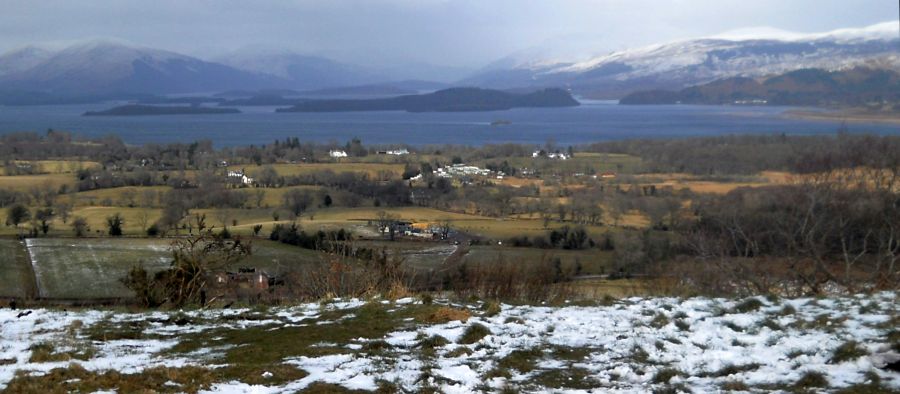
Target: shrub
811 379
115 223
446 314
848 351
748 305
474 333
659 321
665 375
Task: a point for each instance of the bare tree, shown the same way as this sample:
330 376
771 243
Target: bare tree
259 195
148 198
63 209
80 226
127 197
143 219
193 260
224 216
296 201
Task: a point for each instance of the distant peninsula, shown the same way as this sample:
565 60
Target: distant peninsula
856 87
140 110
447 100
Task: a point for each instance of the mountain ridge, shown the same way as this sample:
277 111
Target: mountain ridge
855 87
678 64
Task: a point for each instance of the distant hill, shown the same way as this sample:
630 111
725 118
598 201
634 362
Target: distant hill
676 65
299 71
228 94
806 87
104 67
193 100
262 100
447 100
141 110
386 89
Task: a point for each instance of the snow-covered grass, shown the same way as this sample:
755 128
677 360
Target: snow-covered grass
632 345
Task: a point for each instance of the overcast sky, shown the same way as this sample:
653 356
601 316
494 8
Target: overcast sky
462 33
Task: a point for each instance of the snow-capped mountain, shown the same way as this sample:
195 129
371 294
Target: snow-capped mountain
106 66
22 59
301 71
749 53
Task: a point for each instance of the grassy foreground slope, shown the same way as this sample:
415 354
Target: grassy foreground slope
631 345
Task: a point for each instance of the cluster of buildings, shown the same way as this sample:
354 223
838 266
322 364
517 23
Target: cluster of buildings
337 153
418 230
457 170
751 102
395 152
550 155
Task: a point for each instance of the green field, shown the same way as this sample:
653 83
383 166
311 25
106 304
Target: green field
16 279
91 267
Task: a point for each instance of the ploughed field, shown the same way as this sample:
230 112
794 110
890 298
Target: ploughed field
629 345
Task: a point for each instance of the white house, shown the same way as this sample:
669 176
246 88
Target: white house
551 155
239 176
337 154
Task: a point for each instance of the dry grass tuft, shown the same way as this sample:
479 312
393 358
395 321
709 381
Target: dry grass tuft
446 314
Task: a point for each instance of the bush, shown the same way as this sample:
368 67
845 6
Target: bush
848 351
811 379
665 375
474 333
748 305
115 223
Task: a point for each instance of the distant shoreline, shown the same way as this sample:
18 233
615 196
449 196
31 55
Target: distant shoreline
153 110
845 116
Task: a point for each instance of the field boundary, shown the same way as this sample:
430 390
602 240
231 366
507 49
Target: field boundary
35 286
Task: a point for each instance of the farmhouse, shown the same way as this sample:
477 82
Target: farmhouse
550 155
337 154
240 177
245 278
